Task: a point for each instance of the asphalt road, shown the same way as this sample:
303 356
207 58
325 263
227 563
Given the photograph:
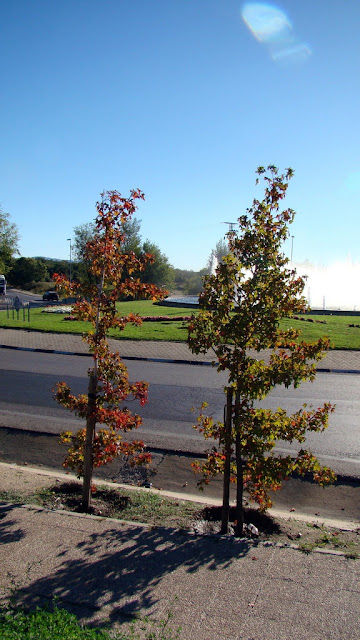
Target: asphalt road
25 297
27 378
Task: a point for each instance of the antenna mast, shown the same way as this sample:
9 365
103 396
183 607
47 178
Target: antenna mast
231 226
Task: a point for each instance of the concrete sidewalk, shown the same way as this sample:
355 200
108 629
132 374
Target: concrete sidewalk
342 361
105 570
109 571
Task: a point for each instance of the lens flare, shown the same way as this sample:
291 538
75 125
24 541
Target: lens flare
272 28
265 22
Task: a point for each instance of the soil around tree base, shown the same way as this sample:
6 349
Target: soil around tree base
20 485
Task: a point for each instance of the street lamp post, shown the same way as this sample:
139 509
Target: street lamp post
69 240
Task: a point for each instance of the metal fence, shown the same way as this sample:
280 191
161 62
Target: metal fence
14 307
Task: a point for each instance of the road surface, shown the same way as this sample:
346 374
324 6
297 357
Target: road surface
26 380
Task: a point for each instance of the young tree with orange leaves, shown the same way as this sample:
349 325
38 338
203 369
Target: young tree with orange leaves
114 273
241 307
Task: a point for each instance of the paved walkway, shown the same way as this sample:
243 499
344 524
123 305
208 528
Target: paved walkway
153 350
216 588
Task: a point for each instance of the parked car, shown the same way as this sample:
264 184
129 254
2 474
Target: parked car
51 295
2 285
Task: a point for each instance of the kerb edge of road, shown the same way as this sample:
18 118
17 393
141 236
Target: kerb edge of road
150 359
342 524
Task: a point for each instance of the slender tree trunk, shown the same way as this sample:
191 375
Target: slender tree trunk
226 485
89 441
91 413
239 488
239 470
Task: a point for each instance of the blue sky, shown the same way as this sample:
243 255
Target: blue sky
183 99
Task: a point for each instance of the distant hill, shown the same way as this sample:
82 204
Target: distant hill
53 259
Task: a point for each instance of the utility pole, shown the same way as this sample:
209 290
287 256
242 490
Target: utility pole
231 226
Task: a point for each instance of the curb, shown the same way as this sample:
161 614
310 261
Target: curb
341 478
344 525
88 355
205 363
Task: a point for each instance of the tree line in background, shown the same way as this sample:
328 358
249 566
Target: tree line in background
9 242
159 271
36 273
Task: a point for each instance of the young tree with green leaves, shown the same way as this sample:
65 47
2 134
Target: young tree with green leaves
83 233
160 272
9 242
26 271
241 307
109 386
221 250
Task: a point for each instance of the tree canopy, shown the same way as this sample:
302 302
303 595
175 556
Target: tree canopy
160 271
240 310
221 250
28 270
157 271
113 272
85 232
9 242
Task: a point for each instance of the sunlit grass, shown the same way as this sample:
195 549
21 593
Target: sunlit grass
337 328
55 623
52 322
43 624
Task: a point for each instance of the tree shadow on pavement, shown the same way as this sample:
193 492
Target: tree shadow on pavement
8 531
120 569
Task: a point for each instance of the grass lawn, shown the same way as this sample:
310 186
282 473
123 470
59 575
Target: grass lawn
162 330
338 328
45 624
54 623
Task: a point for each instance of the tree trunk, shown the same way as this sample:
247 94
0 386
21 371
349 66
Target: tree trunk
91 412
89 440
239 516
227 451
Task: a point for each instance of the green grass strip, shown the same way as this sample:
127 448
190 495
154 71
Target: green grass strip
343 331
45 624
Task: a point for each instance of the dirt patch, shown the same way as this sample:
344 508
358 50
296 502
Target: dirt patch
67 495
157 510
289 532
19 481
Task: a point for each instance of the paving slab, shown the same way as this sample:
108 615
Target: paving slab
216 588
335 360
